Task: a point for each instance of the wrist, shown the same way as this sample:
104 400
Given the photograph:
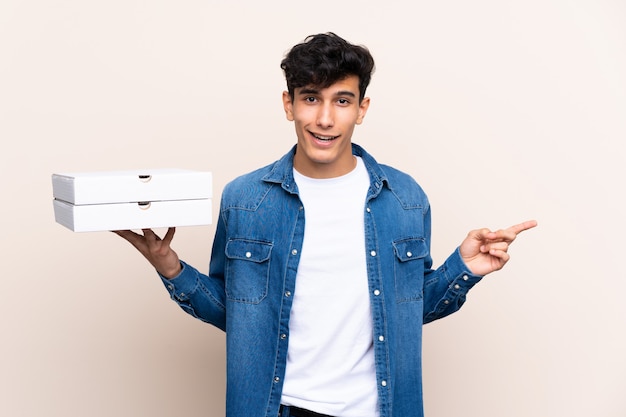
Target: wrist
172 272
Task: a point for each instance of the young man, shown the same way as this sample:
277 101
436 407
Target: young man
320 271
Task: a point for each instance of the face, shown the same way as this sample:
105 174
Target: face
324 120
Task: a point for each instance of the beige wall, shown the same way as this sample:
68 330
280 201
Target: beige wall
503 110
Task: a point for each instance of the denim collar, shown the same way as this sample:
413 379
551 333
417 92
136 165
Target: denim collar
282 171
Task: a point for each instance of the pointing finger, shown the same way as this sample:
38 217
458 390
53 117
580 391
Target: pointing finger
508 235
519 228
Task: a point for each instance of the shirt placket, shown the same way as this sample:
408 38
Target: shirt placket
293 258
379 320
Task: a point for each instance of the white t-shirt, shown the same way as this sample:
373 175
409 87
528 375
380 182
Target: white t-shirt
330 360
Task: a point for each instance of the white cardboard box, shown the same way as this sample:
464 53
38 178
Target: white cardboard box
139 199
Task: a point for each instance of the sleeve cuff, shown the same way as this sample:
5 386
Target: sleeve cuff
182 285
459 276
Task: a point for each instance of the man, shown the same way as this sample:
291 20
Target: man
320 271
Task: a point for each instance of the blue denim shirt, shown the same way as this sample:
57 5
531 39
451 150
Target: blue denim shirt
252 279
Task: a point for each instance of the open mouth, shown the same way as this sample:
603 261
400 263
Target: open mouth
324 138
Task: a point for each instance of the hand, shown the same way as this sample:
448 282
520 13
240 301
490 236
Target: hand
156 250
484 251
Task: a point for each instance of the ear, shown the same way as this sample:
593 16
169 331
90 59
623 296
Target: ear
363 106
288 105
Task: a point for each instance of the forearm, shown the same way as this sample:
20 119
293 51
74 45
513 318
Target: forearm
198 294
445 288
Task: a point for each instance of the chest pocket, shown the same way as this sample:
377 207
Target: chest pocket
247 270
409 268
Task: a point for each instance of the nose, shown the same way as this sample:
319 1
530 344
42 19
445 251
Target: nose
325 116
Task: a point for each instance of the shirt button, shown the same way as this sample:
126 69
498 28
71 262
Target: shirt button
170 287
381 338
276 379
383 383
283 336
294 252
457 286
465 277
248 254
409 254
376 292
368 210
287 293
373 253
446 302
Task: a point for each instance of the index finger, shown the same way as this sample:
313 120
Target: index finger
519 228
135 239
128 235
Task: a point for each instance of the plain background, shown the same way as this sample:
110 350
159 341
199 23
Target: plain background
502 110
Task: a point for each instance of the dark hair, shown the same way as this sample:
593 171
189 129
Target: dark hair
323 59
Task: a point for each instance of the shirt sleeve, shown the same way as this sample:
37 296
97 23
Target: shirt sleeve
200 295
190 289
446 288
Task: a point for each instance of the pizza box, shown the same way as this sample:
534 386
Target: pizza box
138 199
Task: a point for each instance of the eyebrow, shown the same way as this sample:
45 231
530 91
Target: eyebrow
347 93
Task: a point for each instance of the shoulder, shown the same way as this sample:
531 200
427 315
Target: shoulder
247 179
247 190
398 177
406 189
394 179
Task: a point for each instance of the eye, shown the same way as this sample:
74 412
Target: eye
343 101
310 99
